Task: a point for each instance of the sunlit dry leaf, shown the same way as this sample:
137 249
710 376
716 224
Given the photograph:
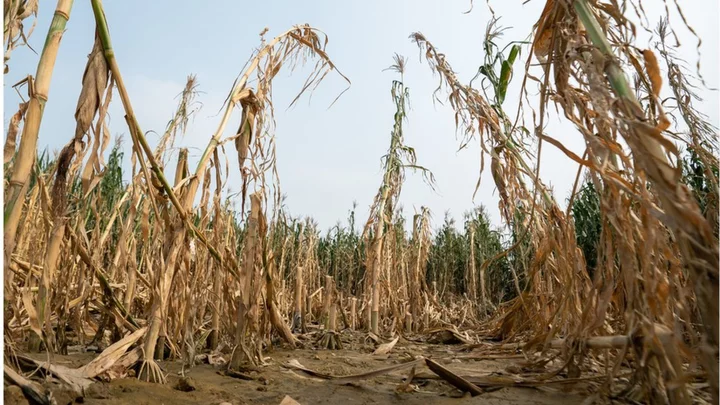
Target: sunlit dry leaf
386 347
287 400
112 354
10 141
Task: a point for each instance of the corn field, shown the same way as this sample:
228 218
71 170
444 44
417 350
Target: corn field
616 289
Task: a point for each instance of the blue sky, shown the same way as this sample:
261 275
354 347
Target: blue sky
327 158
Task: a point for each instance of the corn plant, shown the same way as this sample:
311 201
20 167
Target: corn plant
398 158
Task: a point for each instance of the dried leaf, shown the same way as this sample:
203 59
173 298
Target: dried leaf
663 122
294 364
92 166
74 378
289 401
31 313
127 360
653 70
447 336
386 347
244 136
145 220
10 141
407 386
109 356
543 33
454 379
95 80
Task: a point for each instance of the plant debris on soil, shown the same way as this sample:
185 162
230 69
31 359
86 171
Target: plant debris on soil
271 382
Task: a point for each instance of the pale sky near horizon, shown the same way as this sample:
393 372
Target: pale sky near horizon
327 158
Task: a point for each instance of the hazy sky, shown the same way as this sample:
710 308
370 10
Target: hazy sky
326 158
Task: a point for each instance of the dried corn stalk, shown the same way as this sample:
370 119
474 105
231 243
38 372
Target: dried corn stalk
398 158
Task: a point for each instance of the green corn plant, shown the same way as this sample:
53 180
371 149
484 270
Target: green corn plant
588 223
699 175
447 259
486 242
495 57
586 205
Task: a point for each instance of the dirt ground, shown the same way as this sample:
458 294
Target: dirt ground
275 382
270 383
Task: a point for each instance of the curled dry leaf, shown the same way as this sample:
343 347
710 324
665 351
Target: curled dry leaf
95 80
653 71
294 364
386 347
544 32
407 386
289 401
102 136
10 141
31 313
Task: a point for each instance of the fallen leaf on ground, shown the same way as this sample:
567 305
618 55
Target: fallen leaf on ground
454 379
289 401
112 354
386 347
294 364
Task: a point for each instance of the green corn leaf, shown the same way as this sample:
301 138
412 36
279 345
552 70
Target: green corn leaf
514 52
506 73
